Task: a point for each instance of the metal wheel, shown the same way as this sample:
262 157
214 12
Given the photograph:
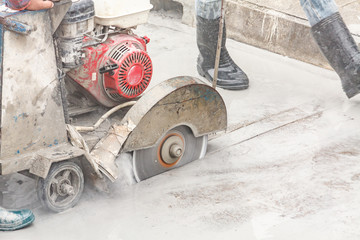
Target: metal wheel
176 148
63 186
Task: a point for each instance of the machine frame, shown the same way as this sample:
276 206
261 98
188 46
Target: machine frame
36 137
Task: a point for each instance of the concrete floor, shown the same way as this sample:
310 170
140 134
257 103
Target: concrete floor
287 168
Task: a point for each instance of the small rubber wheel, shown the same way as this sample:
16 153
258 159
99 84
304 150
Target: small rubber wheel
62 188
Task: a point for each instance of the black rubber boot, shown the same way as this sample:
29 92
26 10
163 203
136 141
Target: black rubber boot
230 76
340 49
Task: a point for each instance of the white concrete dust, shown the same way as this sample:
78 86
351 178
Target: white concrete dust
7 216
126 176
17 191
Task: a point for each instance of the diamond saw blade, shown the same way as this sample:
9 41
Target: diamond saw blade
176 148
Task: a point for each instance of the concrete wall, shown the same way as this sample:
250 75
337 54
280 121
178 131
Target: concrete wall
272 30
279 26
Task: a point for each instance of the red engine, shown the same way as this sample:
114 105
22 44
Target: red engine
115 70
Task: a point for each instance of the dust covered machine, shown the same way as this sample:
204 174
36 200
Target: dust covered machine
72 84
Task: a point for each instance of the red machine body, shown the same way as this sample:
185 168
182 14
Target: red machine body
115 70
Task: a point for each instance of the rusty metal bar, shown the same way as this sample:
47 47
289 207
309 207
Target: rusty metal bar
15 26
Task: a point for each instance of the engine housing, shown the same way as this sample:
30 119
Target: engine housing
115 70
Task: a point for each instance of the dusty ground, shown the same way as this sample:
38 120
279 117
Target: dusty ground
288 168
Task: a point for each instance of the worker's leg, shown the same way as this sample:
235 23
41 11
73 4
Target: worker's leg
230 76
335 42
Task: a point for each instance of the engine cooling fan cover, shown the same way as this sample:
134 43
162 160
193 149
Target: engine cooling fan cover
133 73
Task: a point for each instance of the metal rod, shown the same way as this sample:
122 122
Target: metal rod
104 117
218 48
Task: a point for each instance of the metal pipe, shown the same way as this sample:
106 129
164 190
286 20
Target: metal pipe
104 117
218 48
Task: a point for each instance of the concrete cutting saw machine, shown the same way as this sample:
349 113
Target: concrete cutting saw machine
72 83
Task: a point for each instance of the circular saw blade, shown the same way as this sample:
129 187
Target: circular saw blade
149 162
